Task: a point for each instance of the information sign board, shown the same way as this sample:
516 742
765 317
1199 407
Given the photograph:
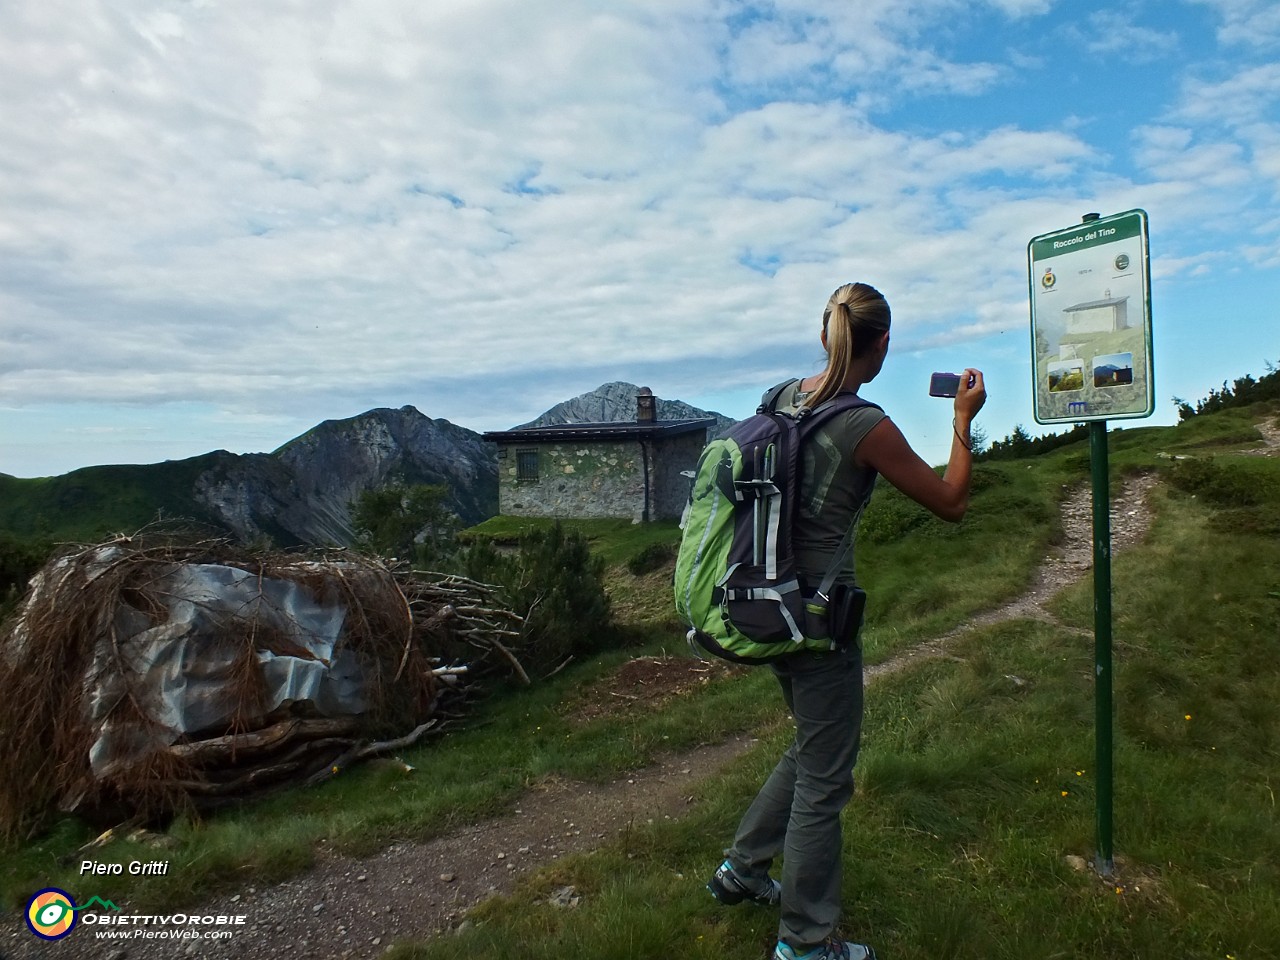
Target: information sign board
1091 321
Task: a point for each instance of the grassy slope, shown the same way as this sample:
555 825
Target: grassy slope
974 788
94 502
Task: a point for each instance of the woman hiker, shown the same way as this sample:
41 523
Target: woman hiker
797 812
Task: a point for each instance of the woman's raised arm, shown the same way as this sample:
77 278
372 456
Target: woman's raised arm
887 450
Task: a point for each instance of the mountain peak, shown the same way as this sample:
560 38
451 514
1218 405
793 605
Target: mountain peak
615 402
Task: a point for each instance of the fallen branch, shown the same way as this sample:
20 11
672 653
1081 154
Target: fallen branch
257 742
497 645
364 751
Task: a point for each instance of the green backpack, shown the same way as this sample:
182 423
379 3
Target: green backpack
736 584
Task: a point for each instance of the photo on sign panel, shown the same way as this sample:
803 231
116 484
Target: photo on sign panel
1113 370
1066 375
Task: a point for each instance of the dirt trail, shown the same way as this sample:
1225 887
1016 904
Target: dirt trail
1069 562
354 908
1270 430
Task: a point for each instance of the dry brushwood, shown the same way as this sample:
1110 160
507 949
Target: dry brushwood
84 725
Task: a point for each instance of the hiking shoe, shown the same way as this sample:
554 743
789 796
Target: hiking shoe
729 888
831 950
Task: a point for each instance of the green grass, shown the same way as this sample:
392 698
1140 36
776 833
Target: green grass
976 778
616 541
977 785
94 502
924 576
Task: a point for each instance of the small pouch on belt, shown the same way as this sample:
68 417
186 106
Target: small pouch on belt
848 604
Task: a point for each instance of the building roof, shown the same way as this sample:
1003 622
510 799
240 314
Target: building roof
620 430
1095 304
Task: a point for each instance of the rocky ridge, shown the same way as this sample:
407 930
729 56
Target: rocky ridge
302 492
615 402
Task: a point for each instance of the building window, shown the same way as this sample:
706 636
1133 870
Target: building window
526 465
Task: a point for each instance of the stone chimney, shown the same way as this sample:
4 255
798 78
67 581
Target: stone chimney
646 406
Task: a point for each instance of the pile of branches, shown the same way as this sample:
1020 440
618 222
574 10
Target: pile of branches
131 694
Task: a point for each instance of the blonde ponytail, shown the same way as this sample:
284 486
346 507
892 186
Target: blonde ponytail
855 317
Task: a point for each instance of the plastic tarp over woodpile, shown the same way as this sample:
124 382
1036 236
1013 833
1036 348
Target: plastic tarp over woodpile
139 679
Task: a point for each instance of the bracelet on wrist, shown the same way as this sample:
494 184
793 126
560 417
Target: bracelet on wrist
967 444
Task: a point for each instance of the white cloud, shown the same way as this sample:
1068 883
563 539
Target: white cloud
808 49
1246 97
1247 23
1167 268
1244 106
1266 256
1169 155
291 208
1022 8
1111 32
1265 141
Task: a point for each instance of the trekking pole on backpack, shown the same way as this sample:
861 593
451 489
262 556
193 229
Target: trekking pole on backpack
767 490
761 485
757 530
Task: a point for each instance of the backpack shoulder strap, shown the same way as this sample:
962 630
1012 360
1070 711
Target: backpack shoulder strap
770 398
838 404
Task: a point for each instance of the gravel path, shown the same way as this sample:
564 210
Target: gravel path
1069 562
347 908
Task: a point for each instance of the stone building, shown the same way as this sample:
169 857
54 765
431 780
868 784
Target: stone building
630 469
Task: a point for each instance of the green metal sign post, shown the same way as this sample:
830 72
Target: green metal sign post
1092 360
1102 642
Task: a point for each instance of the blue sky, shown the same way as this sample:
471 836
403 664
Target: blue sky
223 222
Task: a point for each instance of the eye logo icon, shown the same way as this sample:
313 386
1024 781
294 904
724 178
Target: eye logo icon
51 914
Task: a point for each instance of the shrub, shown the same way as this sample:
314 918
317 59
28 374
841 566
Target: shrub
19 561
558 586
1020 444
413 523
1244 391
891 515
651 558
1226 486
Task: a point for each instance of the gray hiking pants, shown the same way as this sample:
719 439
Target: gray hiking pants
797 811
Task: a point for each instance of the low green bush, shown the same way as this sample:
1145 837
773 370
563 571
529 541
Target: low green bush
19 561
891 516
555 582
650 558
1224 484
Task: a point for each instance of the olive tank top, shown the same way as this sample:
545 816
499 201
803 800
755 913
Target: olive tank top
833 489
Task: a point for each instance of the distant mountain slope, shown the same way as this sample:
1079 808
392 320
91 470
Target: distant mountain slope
299 494
616 401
